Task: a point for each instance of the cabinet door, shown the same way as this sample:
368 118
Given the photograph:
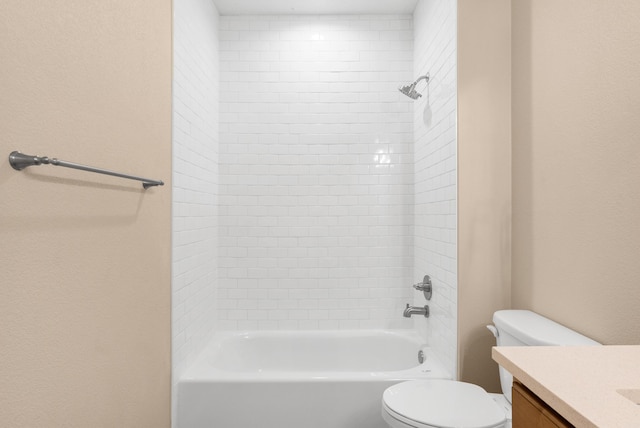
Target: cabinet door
529 411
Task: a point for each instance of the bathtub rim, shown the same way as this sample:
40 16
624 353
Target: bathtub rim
201 371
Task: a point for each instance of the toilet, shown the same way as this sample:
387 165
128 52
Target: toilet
441 403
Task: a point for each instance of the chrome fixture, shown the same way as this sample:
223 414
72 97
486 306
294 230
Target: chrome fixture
410 90
425 286
416 310
21 161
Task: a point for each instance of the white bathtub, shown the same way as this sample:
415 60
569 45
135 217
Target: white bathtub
306 379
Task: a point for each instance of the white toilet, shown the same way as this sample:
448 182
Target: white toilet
438 403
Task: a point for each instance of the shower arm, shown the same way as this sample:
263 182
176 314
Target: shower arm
425 77
414 84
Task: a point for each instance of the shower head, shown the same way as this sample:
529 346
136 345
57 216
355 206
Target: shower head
410 90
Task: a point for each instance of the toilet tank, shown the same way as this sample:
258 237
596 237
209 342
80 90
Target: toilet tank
526 328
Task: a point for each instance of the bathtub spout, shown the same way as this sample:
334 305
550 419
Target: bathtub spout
416 310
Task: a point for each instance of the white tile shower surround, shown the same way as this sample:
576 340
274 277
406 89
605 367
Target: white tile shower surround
435 249
195 180
316 172
315 119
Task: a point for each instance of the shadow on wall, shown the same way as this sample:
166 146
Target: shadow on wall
474 370
522 136
56 215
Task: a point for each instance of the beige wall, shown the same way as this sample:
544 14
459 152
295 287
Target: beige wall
484 182
576 164
85 288
576 155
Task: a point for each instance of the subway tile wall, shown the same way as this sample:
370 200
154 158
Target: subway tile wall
435 250
316 172
195 179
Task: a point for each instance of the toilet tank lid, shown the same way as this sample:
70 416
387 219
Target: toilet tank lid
536 330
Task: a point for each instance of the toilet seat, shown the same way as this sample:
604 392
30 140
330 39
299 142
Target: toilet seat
437 403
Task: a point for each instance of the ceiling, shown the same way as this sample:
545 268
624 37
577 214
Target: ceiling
314 7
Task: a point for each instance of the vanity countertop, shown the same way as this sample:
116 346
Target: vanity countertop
595 386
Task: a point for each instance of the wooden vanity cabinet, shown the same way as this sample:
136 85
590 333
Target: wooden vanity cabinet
529 411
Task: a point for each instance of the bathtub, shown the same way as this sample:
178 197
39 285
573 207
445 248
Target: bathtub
299 379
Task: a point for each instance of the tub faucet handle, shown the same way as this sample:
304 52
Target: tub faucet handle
425 286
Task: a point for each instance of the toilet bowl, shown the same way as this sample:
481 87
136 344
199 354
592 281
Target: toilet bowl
440 403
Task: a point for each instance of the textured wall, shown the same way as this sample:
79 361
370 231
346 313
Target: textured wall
435 173
576 101
316 204
85 294
195 179
484 181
